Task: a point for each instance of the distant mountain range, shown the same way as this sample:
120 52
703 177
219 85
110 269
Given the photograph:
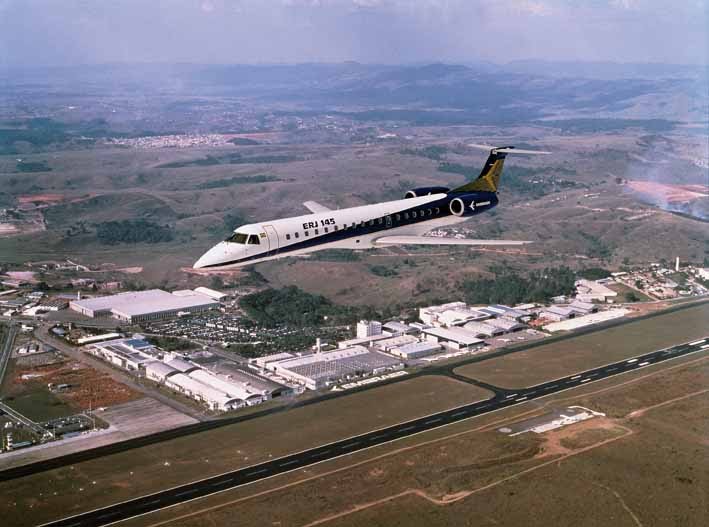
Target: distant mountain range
441 93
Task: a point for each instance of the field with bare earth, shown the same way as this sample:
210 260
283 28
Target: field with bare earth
28 390
146 470
559 359
645 463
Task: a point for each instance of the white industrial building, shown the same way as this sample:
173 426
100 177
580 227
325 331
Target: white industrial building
507 325
211 293
395 342
588 291
316 370
399 328
131 354
159 371
482 330
557 313
586 320
455 338
142 306
416 350
368 328
583 308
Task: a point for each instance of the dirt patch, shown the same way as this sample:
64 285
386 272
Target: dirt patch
86 387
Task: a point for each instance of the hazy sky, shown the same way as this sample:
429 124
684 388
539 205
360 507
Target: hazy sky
377 31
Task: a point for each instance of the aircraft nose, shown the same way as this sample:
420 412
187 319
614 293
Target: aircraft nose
214 256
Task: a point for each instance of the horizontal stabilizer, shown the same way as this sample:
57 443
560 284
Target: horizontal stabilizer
508 149
435 240
315 207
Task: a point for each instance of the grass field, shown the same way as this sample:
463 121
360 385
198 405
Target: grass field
551 361
39 405
148 469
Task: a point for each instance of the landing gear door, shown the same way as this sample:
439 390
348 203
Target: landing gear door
272 237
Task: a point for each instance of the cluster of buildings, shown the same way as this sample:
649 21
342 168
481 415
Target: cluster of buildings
660 282
218 384
379 348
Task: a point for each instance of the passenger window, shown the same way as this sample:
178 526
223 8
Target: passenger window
335 227
307 233
287 236
317 232
438 211
253 240
413 214
398 217
296 235
371 222
326 231
406 215
380 221
430 212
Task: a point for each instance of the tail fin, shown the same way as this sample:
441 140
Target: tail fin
489 178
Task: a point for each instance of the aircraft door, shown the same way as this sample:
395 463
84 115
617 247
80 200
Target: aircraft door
272 237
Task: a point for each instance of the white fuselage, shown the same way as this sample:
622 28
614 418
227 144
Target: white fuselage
352 228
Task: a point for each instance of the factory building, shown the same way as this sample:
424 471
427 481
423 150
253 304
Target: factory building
429 315
266 360
317 370
505 324
583 308
394 342
212 397
557 313
368 328
588 291
399 328
455 338
55 304
483 330
366 341
143 306
211 293
132 354
586 320
416 350
159 371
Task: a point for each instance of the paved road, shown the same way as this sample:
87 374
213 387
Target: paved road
244 476
442 369
6 349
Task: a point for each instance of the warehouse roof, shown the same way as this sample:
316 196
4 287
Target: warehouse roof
455 334
160 368
151 301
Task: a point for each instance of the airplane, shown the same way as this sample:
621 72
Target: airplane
392 223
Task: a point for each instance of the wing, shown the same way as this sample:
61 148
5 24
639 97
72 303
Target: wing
434 240
315 207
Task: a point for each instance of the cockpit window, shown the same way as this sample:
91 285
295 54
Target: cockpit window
238 237
253 240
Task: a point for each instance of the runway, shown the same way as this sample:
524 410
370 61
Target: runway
502 399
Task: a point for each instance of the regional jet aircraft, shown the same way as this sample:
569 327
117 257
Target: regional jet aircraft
400 222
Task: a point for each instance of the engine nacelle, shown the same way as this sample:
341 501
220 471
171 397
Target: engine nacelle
425 191
469 204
